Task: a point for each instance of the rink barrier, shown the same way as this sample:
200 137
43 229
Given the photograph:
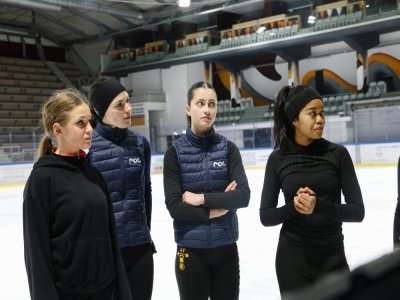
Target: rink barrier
14 174
363 155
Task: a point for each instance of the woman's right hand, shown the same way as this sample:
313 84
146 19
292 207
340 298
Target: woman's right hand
305 201
219 212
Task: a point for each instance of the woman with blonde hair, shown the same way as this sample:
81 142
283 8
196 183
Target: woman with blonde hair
68 222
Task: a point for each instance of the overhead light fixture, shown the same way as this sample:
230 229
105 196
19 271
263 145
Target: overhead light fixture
183 3
18 31
260 29
33 4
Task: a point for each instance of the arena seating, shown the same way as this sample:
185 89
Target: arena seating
335 104
227 113
254 114
24 86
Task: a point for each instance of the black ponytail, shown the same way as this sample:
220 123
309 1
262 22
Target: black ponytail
283 129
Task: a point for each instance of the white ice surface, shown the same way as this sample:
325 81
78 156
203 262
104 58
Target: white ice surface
257 244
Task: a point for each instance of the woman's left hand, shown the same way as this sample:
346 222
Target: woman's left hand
305 200
193 199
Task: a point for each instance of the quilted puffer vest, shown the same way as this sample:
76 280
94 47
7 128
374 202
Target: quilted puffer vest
204 168
119 155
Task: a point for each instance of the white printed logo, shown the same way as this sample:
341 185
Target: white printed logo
219 164
135 161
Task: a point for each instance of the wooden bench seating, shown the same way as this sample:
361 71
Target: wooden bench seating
25 90
28 76
23 98
34 114
5 122
24 86
16 105
32 83
23 62
25 69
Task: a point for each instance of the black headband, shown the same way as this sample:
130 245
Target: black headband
296 103
104 94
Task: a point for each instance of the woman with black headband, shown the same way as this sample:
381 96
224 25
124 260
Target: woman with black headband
123 157
312 173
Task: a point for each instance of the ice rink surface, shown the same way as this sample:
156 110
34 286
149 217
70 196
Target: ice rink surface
257 244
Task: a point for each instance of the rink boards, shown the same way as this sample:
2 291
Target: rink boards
374 154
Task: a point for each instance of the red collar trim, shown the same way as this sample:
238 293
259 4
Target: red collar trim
81 153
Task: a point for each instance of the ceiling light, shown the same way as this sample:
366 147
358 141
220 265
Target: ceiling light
260 29
18 31
184 3
311 20
33 4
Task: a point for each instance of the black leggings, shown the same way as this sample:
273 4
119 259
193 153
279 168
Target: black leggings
106 295
203 273
298 267
139 266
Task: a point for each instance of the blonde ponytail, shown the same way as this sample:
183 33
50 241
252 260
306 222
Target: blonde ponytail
45 146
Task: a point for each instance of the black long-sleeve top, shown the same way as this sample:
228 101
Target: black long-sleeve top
327 169
180 210
69 232
396 225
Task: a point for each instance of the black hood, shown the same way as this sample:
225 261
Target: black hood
57 161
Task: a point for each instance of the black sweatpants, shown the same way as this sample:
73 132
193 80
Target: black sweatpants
298 267
139 266
203 273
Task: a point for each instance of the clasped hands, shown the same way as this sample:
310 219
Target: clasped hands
305 200
198 199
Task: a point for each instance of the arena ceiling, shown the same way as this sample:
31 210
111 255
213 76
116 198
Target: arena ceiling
67 22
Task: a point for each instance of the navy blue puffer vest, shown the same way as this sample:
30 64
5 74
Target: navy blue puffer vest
119 155
203 162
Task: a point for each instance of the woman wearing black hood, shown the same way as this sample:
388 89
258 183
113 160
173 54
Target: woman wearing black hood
71 252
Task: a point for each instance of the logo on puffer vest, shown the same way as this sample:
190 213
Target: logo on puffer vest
135 161
219 164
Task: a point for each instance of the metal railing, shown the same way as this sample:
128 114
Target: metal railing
366 124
